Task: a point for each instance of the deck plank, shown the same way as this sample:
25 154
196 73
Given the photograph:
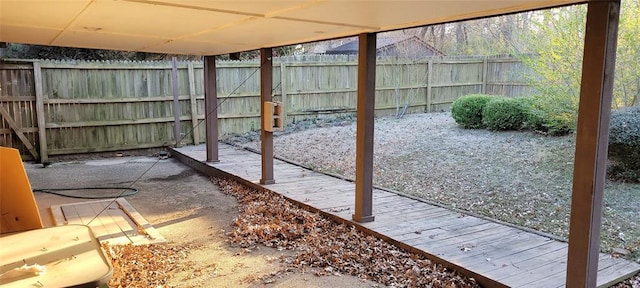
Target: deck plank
509 263
618 272
508 255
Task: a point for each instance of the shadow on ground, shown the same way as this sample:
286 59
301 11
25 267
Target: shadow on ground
187 209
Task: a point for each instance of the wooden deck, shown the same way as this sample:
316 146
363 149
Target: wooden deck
493 253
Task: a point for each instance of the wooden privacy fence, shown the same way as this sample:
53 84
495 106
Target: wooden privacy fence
53 107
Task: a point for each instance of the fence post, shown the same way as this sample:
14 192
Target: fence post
429 80
177 131
42 131
485 68
283 89
194 104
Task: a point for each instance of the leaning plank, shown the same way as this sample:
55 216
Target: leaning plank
14 126
141 223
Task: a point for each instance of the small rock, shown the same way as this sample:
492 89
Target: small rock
268 280
620 252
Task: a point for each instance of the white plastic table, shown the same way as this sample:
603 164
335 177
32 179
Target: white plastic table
71 254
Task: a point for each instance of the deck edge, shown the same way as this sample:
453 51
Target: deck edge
212 171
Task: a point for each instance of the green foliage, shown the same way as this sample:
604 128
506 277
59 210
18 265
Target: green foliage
550 115
557 41
624 144
23 51
467 110
504 114
627 87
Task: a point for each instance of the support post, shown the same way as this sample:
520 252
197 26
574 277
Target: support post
42 128
211 108
177 130
591 142
266 138
364 131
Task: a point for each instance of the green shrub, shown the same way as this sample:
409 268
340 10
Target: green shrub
504 114
624 144
467 110
553 116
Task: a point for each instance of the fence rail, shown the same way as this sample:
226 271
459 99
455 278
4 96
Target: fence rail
64 107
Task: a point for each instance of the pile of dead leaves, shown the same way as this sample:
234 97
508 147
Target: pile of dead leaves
144 265
633 282
326 247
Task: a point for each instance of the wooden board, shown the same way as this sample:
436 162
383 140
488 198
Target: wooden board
113 221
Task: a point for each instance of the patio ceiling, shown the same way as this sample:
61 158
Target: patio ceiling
202 27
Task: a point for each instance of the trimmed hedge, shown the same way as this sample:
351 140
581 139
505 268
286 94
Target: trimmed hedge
624 144
549 116
467 110
504 114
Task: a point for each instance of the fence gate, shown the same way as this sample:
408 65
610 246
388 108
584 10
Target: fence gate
18 117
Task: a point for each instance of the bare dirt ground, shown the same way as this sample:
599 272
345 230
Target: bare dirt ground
192 214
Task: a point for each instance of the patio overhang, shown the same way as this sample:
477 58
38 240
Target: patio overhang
200 27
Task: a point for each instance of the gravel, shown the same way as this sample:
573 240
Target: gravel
519 177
